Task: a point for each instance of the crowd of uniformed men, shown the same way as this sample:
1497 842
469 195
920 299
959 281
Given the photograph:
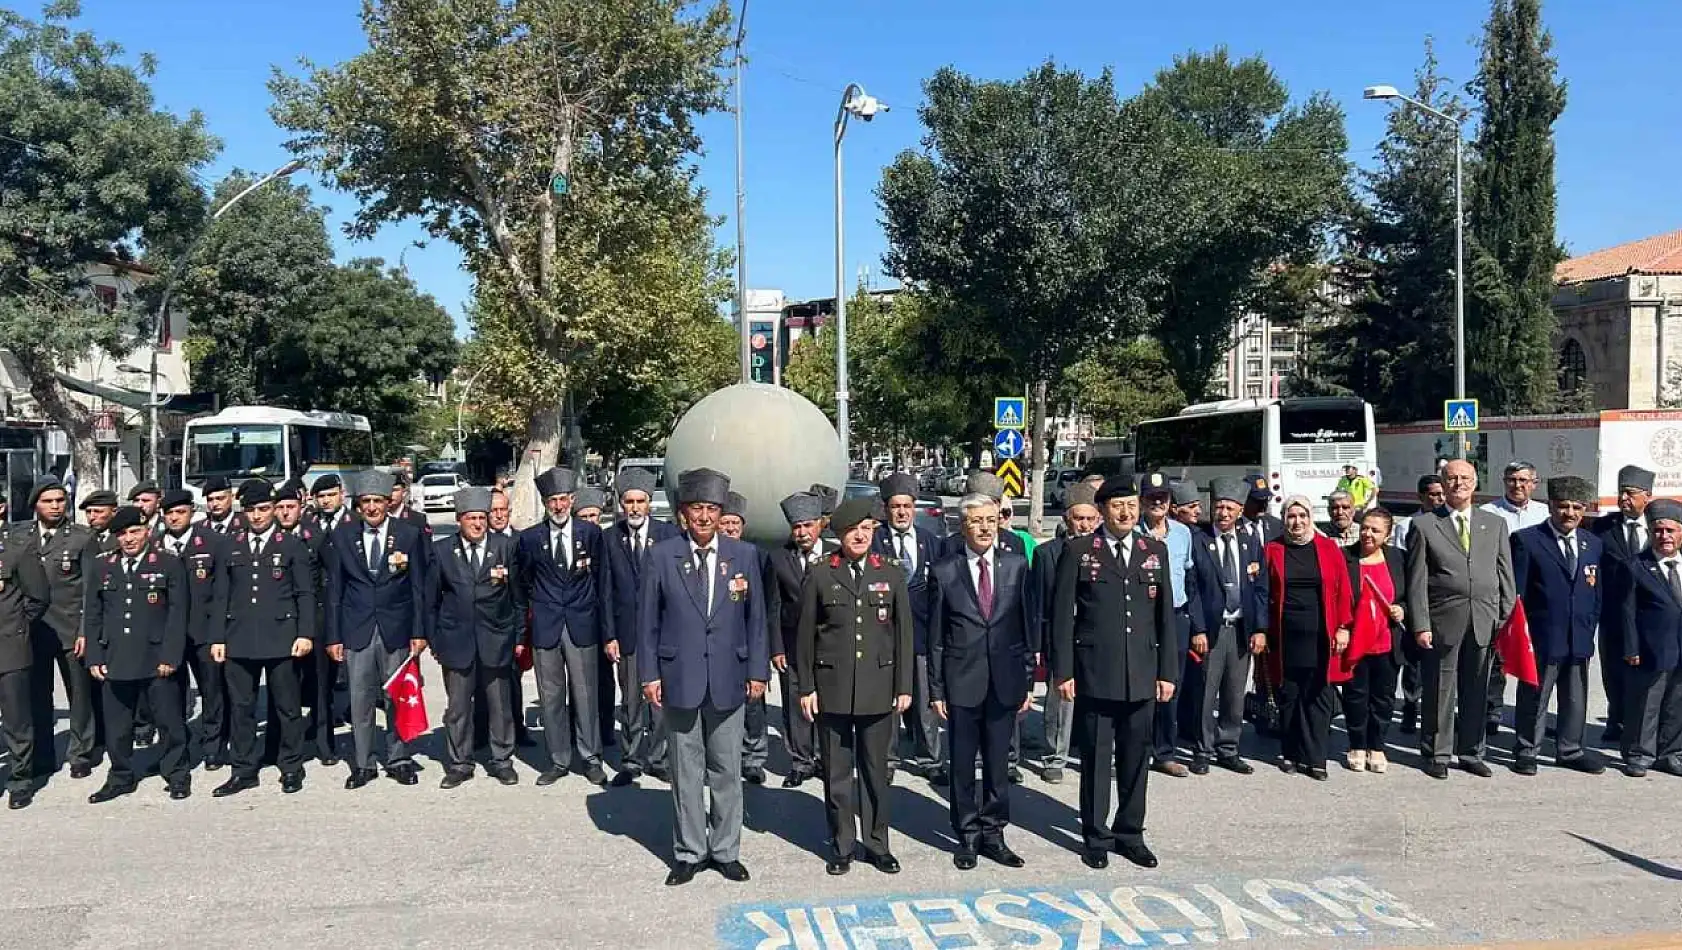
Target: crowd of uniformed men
891 646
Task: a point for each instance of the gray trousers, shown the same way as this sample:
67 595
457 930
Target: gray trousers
1059 724
1454 677
1570 682
706 751
756 740
643 743
921 734
367 670
1226 672
1652 715
460 686
562 672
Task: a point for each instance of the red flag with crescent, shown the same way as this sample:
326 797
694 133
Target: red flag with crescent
408 704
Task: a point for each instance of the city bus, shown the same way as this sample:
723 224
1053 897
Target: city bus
1300 444
243 442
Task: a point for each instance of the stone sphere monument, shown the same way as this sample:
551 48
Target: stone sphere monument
771 441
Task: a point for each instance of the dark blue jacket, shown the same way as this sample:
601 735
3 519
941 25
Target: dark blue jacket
1617 562
390 598
474 615
627 576
700 651
971 657
1652 617
1563 609
1044 569
578 600
1210 589
917 585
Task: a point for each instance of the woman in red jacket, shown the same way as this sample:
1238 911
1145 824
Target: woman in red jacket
1311 617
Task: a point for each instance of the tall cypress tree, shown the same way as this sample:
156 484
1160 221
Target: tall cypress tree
1513 251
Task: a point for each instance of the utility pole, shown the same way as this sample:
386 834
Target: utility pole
741 212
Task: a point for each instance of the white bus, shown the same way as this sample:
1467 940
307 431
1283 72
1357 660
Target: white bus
1300 444
243 442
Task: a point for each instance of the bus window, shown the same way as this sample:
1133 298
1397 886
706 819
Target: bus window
234 451
1227 439
347 448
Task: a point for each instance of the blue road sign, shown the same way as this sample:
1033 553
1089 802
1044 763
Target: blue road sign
1010 412
1007 444
1460 415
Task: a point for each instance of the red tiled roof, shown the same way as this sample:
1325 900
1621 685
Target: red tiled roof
1660 254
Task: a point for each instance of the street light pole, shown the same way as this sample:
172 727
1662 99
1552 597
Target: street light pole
741 211
853 102
169 289
461 401
1390 92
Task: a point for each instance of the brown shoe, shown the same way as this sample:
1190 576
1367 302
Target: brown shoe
1171 767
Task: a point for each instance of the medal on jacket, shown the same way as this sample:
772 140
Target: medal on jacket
738 587
1590 574
64 564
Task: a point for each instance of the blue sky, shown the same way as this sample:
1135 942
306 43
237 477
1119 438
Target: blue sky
1618 141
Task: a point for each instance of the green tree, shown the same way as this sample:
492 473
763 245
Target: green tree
1121 384
631 409
1510 271
470 114
90 171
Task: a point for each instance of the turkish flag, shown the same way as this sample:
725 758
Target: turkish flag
407 702
1514 647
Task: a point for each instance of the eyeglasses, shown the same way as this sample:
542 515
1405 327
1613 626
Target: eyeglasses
982 522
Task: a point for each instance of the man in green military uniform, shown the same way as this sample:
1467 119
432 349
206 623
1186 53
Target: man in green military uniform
23 599
853 677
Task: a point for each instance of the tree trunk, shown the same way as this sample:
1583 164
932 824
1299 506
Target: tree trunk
1041 457
74 418
543 442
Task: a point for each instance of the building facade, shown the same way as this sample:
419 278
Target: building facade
1619 338
1263 353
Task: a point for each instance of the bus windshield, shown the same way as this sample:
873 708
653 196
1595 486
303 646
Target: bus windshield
1319 422
234 451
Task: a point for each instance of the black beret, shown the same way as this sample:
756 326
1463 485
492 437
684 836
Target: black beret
255 491
144 488
851 512
175 498
42 486
126 517
1117 486
216 483
326 483
102 498
288 492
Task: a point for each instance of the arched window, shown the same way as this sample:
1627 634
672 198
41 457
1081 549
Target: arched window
1573 367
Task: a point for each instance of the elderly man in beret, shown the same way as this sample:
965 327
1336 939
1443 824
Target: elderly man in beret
642 746
1556 572
98 508
62 548
1652 648
1625 535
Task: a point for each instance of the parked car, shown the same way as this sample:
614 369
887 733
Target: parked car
1057 484
438 491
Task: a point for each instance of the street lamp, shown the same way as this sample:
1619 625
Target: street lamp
741 211
1390 92
169 289
853 102
461 401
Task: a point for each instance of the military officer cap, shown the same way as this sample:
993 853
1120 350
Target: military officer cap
99 499
471 499
1156 483
703 486
1117 486
296 484
373 482
325 483
986 483
42 486
256 491
1230 489
216 483
827 496
1664 509
557 481
587 498
1570 488
1633 476
1256 481
1080 493
802 506
144 488
1184 492
126 517
899 483
850 513
288 491
735 504
175 498
635 479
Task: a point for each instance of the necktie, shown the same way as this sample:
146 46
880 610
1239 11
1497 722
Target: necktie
1229 566
636 544
1570 556
219 526
1465 533
701 561
256 543
905 552
984 589
473 556
128 566
1675 579
563 557
1633 530
46 539
371 547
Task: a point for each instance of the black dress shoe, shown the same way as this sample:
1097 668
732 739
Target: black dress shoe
21 800
941 778
1477 767
1437 770
733 871
109 792
1635 771
291 783
505 774
179 793
80 770
233 786
1000 853
214 763
682 873
1199 766
403 775
1137 853
964 860
794 779
1525 766
658 773
626 777
754 775
360 777
1015 776
454 777
327 759
551 776
1668 767
838 865
1233 763
1317 774
596 776
884 862
1095 858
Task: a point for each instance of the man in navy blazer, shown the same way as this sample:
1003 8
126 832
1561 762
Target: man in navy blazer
914 551
563 563
702 653
1624 535
1229 627
375 617
982 633
642 742
476 610
1652 648
1556 571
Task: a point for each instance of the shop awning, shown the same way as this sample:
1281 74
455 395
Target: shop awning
187 404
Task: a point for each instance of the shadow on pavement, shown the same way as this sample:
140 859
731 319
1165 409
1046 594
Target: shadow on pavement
791 814
642 814
1635 861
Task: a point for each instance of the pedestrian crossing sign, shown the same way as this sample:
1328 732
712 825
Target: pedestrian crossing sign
1010 412
1460 415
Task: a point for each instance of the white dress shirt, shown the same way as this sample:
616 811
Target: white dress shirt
974 561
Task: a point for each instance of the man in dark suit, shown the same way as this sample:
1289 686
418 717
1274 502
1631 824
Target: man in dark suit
701 652
913 550
501 516
992 486
204 555
316 672
1624 534
983 629
1229 628
1112 655
1080 520
328 494
563 563
1652 648
135 619
23 599
642 744
853 676
220 518
789 567
475 611
1556 572
376 602
1259 522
